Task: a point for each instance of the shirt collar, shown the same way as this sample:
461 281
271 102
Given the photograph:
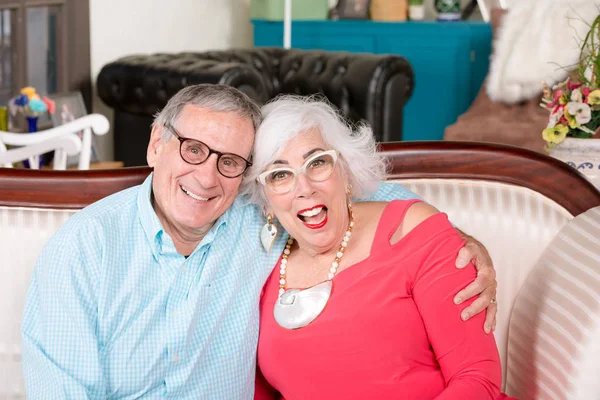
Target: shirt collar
153 228
148 218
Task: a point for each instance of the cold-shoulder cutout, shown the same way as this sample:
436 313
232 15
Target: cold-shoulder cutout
415 215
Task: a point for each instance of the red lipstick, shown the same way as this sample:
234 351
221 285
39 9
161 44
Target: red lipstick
314 226
317 226
312 208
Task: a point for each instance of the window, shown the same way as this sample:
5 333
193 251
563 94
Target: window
45 44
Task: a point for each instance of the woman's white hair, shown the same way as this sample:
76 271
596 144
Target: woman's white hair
288 116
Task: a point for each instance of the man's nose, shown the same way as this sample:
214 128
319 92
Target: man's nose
207 173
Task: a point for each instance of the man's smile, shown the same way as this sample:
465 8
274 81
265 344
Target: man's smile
193 195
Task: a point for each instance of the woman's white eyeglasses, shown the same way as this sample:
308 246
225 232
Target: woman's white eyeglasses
317 168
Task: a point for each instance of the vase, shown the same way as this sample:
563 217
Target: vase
386 10
581 154
448 10
32 124
416 12
31 128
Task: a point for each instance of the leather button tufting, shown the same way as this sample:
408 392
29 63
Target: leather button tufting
318 67
364 86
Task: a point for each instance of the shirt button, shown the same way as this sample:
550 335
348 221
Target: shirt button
183 269
175 313
175 359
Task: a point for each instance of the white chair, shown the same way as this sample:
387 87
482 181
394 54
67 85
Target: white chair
32 142
62 146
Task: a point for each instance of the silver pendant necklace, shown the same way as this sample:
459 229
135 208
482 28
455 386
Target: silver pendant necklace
296 308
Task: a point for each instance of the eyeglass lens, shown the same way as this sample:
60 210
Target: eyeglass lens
195 152
318 169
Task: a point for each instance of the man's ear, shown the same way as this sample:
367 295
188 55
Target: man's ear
156 145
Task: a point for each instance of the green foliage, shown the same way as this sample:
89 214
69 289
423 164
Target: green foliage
589 59
592 125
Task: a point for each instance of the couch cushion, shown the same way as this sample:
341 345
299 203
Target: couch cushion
23 233
554 332
515 224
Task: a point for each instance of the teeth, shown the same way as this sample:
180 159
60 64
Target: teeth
311 213
192 195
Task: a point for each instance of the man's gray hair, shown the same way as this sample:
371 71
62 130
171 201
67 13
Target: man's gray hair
213 97
288 116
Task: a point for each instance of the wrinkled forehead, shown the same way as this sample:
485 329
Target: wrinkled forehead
225 131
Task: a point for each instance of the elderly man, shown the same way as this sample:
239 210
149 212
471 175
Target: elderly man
153 292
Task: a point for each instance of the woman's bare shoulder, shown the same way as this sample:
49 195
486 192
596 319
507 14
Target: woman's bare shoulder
415 214
369 212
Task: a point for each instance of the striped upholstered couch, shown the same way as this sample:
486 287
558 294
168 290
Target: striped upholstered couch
538 217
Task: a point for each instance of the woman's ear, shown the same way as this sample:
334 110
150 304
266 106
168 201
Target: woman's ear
268 210
347 184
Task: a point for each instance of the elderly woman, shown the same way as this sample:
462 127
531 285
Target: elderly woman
360 303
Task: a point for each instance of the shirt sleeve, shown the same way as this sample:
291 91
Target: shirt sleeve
60 324
468 357
389 191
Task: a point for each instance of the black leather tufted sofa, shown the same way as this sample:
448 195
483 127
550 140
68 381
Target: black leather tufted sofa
364 86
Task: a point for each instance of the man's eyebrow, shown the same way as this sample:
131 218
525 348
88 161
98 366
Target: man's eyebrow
305 156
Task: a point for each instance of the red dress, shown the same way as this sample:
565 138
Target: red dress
390 329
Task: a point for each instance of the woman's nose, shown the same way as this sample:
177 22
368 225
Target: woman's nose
304 186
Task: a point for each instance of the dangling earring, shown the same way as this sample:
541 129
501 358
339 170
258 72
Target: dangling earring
349 197
268 233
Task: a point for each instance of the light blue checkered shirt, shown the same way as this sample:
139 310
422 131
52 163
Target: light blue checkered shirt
113 311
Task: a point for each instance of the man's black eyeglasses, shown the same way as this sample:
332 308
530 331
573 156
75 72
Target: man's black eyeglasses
195 152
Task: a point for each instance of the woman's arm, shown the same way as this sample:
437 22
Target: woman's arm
468 357
485 282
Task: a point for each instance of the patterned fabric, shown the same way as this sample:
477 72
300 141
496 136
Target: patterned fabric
114 311
554 336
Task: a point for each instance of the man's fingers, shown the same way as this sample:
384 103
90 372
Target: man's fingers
485 278
474 288
490 318
475 308
464 256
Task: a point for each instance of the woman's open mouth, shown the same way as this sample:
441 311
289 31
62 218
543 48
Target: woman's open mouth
315 217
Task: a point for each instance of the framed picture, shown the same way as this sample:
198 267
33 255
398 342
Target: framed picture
353 9
69 107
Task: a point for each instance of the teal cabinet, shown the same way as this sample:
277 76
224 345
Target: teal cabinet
450 60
